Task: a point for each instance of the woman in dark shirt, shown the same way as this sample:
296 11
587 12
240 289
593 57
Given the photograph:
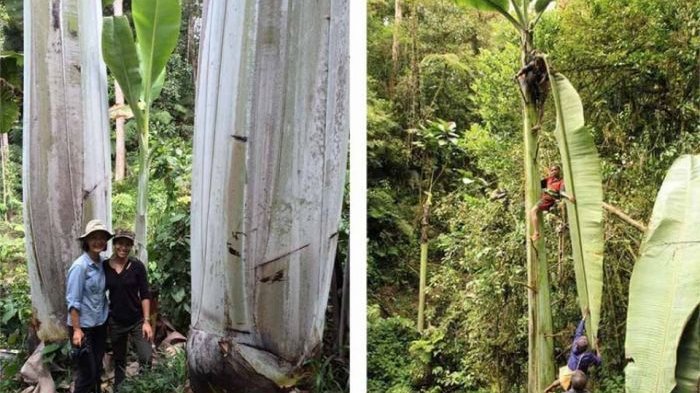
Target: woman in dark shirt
129 304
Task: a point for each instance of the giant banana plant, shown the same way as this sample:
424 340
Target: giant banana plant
271 129
664 293
523 15
581 169
139 68
66 167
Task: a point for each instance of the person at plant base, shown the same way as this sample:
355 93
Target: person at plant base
87 307
553 186
580 359
578 382
129 305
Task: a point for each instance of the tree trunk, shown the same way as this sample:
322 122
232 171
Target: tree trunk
344 307
270 150
395 47
415 70
4 150
141 221
540 345
66 168
423 262
194 29
120 153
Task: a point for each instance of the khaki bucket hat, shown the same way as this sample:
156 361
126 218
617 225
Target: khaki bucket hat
95 226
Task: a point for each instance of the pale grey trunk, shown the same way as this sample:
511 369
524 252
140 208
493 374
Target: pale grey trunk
66 168
271 129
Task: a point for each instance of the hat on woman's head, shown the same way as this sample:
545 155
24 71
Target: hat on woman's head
124 234
95 226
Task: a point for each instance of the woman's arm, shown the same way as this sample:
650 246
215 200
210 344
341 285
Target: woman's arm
145 294
74 298
146 328
78 334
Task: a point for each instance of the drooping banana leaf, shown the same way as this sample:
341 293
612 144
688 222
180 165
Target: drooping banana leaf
582 179
157 24
688 357
119 51
665 284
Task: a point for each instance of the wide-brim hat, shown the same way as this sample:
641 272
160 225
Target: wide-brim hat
123 234
95 226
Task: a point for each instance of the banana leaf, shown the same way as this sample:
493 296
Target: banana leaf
582 179
485 5
119 51
500 6
665 286
688 363
157 24
541 5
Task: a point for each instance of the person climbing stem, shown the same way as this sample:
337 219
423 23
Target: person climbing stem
533 79
553 186
580 359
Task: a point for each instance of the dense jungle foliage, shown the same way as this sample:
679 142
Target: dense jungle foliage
171 130
636 65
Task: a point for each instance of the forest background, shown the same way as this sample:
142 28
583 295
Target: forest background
171 137
636 65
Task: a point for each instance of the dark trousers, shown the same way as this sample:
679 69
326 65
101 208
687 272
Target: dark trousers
90 361
120 336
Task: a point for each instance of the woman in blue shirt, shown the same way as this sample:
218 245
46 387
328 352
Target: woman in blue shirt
87 306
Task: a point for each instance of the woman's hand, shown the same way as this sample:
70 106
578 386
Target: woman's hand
78 336
147 331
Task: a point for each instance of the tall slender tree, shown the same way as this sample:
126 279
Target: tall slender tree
540 345
395 46
271 129
581 168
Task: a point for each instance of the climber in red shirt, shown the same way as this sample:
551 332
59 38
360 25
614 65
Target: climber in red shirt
553 187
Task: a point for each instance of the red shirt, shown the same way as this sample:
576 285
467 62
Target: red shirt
552 187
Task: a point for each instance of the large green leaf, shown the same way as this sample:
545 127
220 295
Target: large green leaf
156 87
485 5
500 6
9 110
157 25
688 358
665 284
582 178
10 68
119 52
541 5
